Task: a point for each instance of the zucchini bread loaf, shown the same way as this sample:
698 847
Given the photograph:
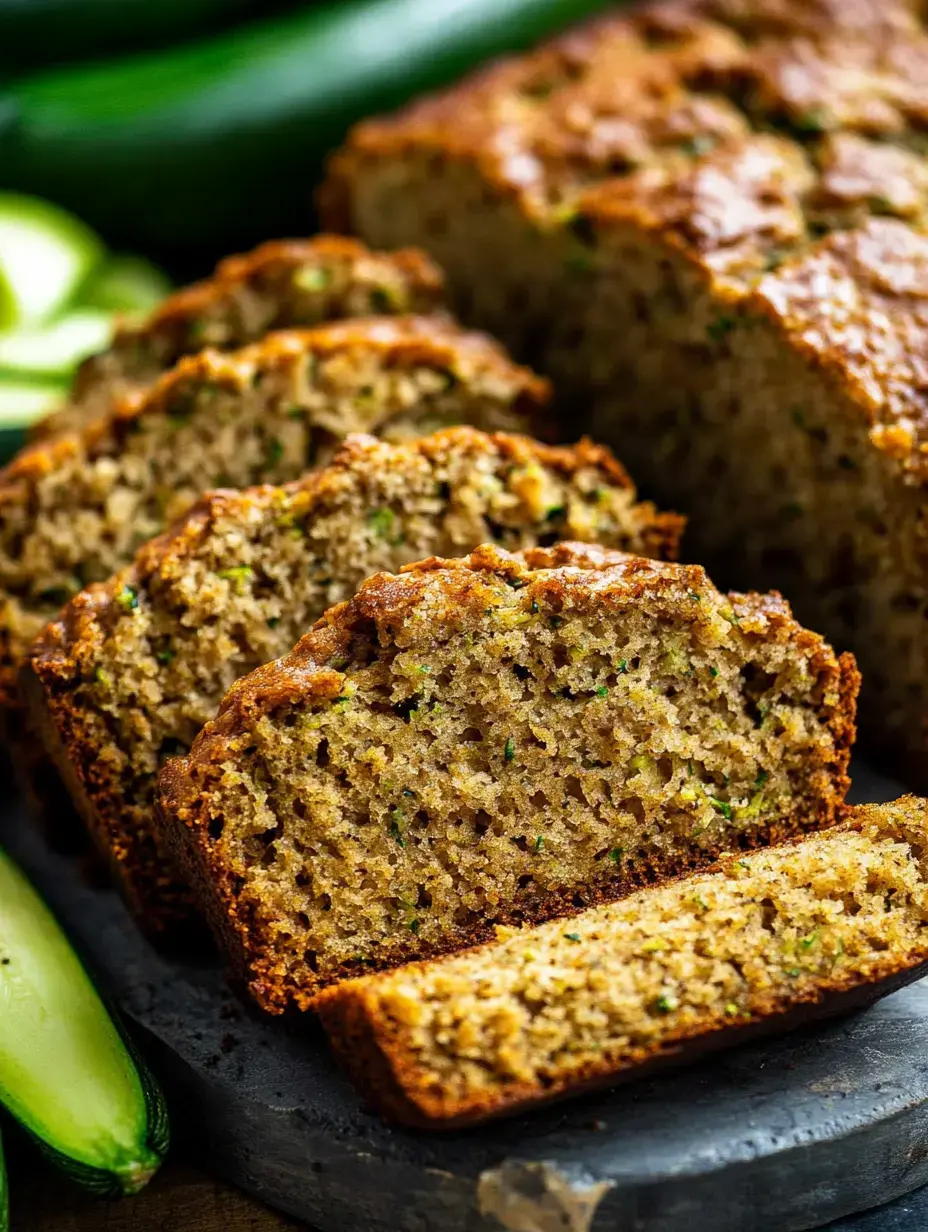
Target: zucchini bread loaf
74 509
769 940
706 221
281 285
495 739
133 668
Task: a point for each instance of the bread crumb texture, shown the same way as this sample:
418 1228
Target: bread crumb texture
134 667
665 973
75 509
494 739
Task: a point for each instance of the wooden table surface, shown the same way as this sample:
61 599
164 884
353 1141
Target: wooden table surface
179 1199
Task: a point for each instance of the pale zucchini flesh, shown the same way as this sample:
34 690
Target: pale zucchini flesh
52 351
66 1072
124 284
22 401
45 254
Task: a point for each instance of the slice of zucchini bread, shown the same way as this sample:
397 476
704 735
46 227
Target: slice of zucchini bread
74 509
283 284
133 668
494 739
728 205
767 941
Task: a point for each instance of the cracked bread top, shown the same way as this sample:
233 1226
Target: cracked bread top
561 575
780 146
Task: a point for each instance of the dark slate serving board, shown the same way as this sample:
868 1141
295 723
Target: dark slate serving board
771 1137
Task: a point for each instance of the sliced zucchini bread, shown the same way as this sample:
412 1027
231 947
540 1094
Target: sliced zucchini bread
281 285
74 509
133 668
496 739
707 221
768 940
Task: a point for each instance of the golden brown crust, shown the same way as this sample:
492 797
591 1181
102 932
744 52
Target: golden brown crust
381 1052
399 341
265 265
834 307
658 120
306 672
280 284
311 672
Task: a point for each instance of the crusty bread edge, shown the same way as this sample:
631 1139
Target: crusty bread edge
162 910
377 1062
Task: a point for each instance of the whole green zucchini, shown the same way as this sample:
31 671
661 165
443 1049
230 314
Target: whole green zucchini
66 1072
40 32
217 144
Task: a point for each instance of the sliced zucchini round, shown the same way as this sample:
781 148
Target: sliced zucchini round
56 349
22 401
45 254
7 301
124 284
21 404
66 1072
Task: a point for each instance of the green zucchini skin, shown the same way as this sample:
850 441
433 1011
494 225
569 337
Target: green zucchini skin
218 144
4 1195
68 1072
34 33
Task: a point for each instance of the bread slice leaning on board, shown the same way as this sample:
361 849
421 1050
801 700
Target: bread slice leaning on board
770 939
495 739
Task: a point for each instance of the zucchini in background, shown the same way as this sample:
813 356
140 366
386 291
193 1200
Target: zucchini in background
124 284
21 404
39 32
217 144
66 1072
59 295
54 351
45 254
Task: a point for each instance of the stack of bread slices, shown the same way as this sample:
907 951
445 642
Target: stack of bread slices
331 645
